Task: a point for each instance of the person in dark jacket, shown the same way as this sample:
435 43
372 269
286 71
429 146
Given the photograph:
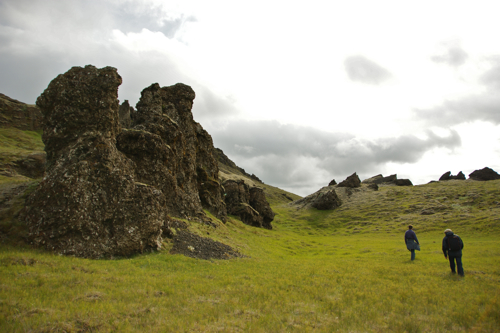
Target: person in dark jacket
453 255
411 241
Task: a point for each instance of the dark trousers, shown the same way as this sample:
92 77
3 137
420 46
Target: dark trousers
412 254
458 259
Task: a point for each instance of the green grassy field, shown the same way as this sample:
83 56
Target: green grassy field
339 271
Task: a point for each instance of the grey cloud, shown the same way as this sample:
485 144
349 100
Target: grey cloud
302 158
451 54
364 70
479 107
468 109
491 78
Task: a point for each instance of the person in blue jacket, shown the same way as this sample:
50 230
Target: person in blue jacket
411 241
453 252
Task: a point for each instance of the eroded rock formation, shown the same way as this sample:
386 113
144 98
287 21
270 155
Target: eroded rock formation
484 174
89 203
352 181
249 204
448 176
108 191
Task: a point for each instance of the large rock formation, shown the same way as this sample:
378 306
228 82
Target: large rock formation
484 174
448 176
249 204
324 199
19 115
107 191
352 181
173 152
89 203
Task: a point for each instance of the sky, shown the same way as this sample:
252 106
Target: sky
296 92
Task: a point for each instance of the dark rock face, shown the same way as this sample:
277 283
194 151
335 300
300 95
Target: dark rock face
173 152
19 115
484 174
249 204
89 203
326 201
378 179
403 182
352 181
259 203
125 113
449 176
333 182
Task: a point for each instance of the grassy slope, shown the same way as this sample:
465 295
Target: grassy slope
345 270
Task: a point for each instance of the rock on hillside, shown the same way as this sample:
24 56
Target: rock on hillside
19 115
484 174
448 176
108 191
249 204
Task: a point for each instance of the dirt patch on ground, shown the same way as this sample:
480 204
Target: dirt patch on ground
194 246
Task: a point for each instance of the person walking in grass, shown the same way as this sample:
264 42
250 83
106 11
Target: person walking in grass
452 249
411 241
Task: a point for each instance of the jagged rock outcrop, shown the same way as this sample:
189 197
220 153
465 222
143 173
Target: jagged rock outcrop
449 176
403 182
249 204
326 200
16 114
333 182
89 204
125 114
378 179
258 202
173 152
352 181
484 174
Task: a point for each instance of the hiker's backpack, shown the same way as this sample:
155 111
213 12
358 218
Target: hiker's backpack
454 243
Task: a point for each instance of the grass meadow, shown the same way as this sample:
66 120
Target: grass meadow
346 270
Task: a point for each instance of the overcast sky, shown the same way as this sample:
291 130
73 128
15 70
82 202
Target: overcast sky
298 93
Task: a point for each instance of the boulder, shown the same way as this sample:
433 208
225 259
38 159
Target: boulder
389 179
352 181
249 204
449 176
259 203
484 174
378 179
89 204
373 186
326 200
403 182
333 182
